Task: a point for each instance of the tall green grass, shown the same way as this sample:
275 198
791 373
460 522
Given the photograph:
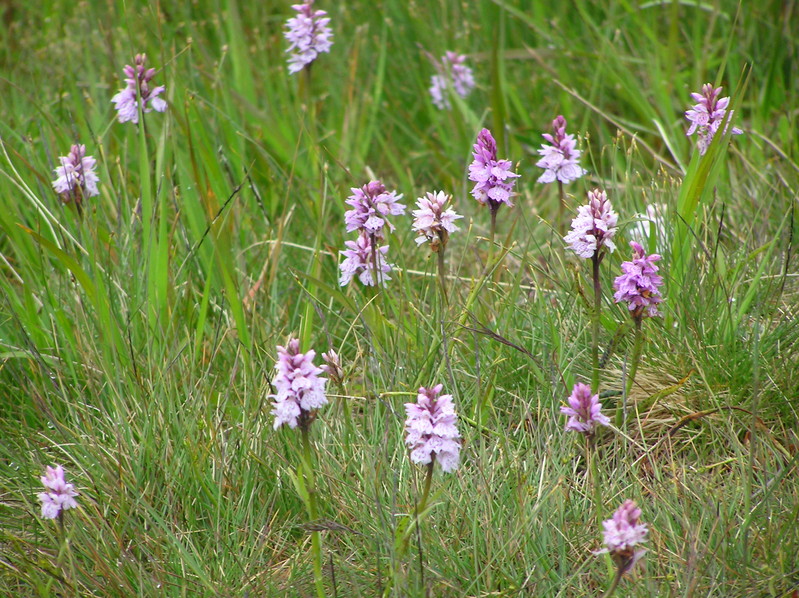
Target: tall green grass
137 342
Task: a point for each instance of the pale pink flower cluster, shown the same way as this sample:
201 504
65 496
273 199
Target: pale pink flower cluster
560 160
639 285
622 533
584 410
370 207
594 226
452 73
431 428
308 34
707 115
371 204
432 221
76 178
138 87
493 178
58 496
300 389
360 260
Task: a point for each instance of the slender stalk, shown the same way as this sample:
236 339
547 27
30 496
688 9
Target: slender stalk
442 275
614 584
62 536
374 309
492 234
316 541
420 506
64 552
146 214
621 410
428 480
444 309
595 315
561 208
309 106
494 211
590 456
373 242
307 100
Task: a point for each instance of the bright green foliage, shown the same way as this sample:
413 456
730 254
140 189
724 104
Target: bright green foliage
137 341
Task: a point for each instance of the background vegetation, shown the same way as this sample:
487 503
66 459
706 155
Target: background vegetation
137 342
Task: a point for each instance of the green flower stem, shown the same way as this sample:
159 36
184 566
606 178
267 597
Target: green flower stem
491 236
595 260
590 456
614 584
379 322
444 309
428 480
420 507
315 267
493 224
316 541
638 345
64 552
375 270
442 275
561 208
309 106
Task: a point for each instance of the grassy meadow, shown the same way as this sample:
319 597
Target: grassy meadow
138 334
